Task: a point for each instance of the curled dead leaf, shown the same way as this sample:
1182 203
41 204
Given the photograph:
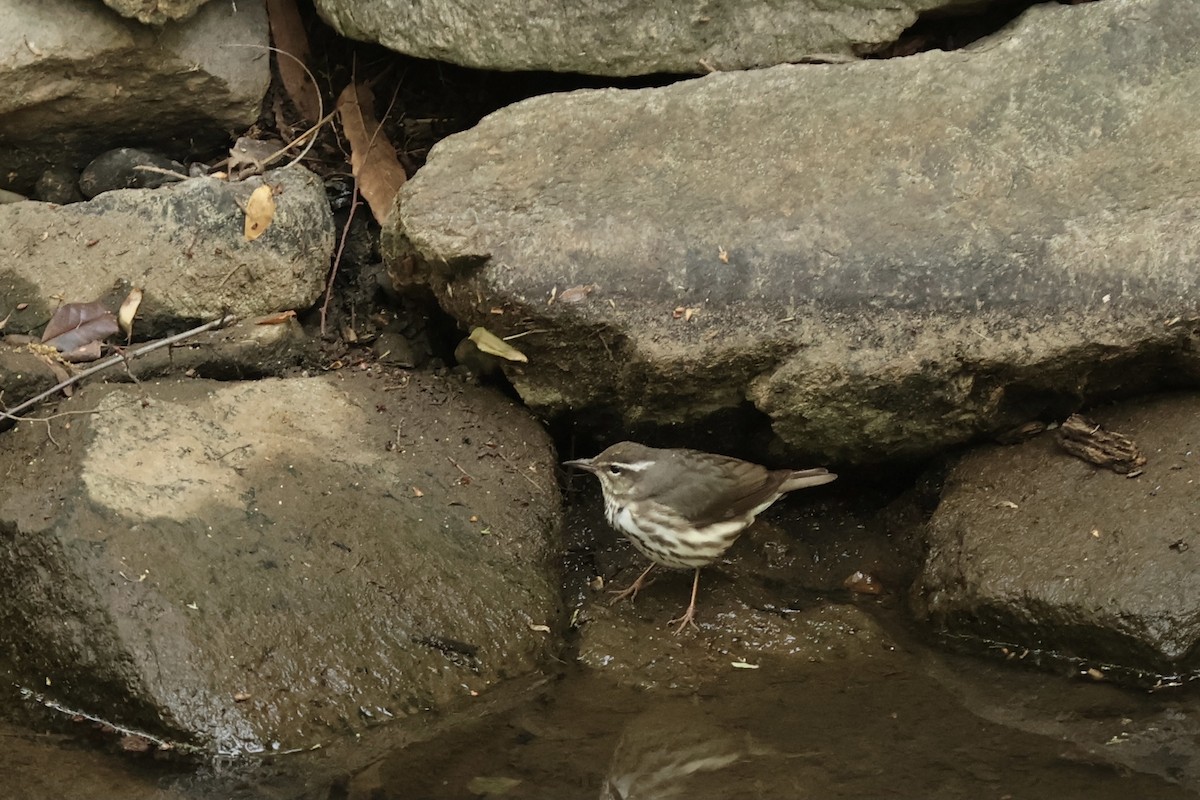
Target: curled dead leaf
260 210
373 159
490 343
577 294
128 310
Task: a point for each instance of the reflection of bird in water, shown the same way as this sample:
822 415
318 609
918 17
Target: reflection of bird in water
676 751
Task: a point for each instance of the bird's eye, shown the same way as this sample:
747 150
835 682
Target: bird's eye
613 469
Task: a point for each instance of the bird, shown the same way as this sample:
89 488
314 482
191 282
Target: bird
684 508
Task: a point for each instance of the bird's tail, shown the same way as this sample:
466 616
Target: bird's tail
804 478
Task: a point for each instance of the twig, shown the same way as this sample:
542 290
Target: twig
456 466
519 471
320 110
337 258
11 413
170 173
46 420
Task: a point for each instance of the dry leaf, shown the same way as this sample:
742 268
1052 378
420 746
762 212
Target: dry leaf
1085 439
79 325
863 583
685 313
287 32
417 492
260 210
277 319
493 345
722 254
132 743
128 310
253 156
372 157
577 294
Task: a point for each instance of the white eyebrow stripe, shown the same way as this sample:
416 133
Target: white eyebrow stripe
635 466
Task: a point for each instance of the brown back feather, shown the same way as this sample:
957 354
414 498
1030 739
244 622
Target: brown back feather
728 489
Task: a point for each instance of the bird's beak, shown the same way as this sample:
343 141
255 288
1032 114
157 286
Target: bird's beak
583 463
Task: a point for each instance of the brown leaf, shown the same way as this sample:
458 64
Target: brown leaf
277 319
1085 439
577 294
77 325
287 31
132 743
260 210
372 157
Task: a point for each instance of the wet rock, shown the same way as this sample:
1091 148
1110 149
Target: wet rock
626 38
123 168
811 243
261 565
633 646
183 244
1040 551
776 595
80 80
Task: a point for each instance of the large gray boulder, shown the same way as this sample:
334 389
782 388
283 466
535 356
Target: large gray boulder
1033 549
244 566
79 79
883 258
182 244
630 37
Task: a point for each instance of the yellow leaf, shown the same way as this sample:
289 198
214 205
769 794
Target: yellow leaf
128 310
260 210
493 345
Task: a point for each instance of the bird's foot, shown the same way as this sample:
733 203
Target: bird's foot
688 618
633 588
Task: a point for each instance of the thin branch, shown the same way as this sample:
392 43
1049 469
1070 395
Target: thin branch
119 358
320 109
337 258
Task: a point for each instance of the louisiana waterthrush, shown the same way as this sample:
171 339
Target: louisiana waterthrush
684 508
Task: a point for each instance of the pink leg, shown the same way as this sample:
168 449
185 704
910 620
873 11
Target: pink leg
633 589
689 616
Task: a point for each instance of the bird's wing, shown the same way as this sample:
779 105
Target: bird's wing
731 490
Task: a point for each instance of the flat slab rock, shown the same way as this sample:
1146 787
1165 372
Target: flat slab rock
183 244
247 566
627 38
1035 549
79 79
883 258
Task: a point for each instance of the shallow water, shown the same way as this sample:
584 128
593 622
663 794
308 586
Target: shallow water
892 716
909 723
